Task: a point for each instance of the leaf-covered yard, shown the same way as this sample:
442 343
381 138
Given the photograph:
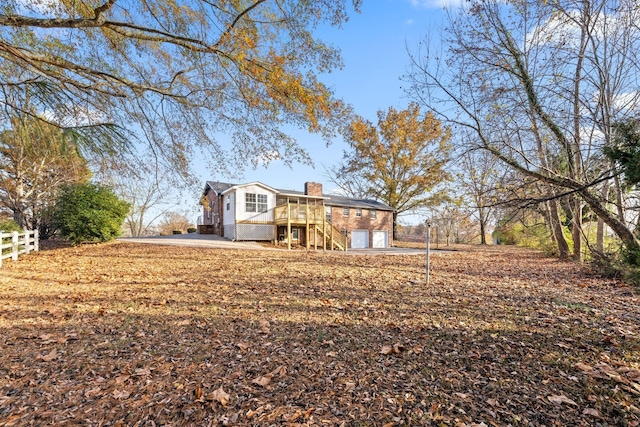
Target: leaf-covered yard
124 334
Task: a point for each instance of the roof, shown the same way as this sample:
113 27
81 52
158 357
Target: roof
330 199
335 200
218 187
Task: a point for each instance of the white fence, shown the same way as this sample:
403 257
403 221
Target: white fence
20 243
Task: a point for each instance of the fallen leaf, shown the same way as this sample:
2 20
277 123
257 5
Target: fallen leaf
48 338
142 372
583 367
592 412
51 356
398 348
121 379
560 398
263 381
199 394
386 349
280 371
253 412
220 396
264 327
117 394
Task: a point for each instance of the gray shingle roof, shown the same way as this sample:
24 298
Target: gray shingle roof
218 187
330 199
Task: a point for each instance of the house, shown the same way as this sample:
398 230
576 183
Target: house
257 212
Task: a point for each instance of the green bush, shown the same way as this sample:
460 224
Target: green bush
177 231
9 225
191 230
89 213
533 236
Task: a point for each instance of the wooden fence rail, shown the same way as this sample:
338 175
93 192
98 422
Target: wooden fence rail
15 243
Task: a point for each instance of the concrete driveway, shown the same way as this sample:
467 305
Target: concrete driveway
213 241
197 240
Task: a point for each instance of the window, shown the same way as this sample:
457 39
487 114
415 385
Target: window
228 205
255 202
373 214
344 232
327 213
345 211
262 202
228 202
294 234
359 212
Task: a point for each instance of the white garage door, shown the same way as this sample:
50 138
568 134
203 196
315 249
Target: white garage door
359 239
380 239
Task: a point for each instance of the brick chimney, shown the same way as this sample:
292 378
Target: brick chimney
312 189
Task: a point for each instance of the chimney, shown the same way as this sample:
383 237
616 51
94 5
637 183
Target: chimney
312 189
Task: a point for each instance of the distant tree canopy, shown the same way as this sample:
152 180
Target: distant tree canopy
181 71
399 161
174 221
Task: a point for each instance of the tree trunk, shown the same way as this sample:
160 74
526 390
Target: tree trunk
621 230
393 230
600 229
619 201
576 228
556 226
483 226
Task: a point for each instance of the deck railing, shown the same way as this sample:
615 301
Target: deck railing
297 214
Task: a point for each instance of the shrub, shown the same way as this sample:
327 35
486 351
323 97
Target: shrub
9 225
89 213
191 230
177 231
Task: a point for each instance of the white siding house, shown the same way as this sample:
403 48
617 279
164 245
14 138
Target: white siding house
248 212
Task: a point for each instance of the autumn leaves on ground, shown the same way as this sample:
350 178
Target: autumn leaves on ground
123 334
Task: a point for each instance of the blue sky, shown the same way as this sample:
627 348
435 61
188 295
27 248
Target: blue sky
374 50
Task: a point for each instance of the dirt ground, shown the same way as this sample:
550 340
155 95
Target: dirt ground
126 334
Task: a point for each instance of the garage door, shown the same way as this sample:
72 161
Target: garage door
359 239
380 239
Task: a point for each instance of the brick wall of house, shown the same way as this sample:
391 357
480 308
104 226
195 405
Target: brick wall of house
383 221
212 217
312 189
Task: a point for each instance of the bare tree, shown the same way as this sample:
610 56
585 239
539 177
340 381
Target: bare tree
174 221
540 85
482 178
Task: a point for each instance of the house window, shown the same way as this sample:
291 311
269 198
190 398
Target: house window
358 212
373 214
327 213
255 202
228 205
344 232
345 211
294 234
